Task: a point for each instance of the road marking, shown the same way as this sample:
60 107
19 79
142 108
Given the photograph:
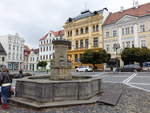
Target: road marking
139 83
128 79
138 87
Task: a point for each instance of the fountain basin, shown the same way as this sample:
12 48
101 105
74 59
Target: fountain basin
42 90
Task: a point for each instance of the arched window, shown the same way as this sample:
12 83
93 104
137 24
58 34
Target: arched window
93 28
77 32
97 27
86 30
81 31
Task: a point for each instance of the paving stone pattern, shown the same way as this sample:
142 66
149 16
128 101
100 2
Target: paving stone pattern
132 101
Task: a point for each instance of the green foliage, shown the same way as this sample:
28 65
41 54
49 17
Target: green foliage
42 64
131 55
95 57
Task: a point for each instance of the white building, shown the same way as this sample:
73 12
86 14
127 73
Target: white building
2 56
46 48
127 28
33 60
14 47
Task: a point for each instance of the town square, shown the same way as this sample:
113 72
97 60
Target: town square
75 56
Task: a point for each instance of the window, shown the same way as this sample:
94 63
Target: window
70 33
97 27
76 57
86 30
41 57
86 43
123 44
132 43
46 57
81 43
143 43
77 44
114 33
128 44
13 47
127 30
9 46
93 28
77 32
107 34
95 42
9 54
41 49
142 28
49 56
70 45
123 31
132 30
81 31
47 48
3 59
107 48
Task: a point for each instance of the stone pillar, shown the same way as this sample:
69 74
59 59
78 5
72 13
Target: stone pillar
61 68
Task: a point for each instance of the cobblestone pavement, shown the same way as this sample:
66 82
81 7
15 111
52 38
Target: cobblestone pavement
132 101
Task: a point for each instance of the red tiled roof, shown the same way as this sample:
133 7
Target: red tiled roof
56 34
142 10
36 51
44 37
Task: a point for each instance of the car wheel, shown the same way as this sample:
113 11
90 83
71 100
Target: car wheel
86 70
77 71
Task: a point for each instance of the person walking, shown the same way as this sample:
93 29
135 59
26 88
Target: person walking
5 82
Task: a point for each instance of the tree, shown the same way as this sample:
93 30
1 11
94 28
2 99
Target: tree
42 64
131 55
95 57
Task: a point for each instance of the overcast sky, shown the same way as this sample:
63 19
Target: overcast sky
33 18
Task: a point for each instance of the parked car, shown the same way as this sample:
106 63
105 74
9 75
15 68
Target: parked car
83 69
130 68
146 66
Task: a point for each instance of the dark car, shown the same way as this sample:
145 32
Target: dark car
131 68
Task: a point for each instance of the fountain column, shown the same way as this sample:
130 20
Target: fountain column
61 67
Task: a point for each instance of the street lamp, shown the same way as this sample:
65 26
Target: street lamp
116 46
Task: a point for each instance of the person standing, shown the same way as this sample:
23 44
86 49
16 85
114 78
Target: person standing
5 82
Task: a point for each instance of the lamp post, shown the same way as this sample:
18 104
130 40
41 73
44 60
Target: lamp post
116 46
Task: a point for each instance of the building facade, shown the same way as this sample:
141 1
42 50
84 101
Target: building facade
126 29
33 59
2 56
14 47
46 48
85 33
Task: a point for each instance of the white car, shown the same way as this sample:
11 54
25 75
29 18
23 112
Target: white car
83 69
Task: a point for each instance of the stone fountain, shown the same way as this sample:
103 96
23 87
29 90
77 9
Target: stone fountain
59 88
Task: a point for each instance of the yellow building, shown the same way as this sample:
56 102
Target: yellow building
84 32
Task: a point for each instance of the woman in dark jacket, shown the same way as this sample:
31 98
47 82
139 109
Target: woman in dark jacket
5 82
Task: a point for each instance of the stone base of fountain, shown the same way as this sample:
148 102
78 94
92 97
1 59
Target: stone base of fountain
41 92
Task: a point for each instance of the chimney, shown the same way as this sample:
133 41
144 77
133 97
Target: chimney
121 9
136 4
